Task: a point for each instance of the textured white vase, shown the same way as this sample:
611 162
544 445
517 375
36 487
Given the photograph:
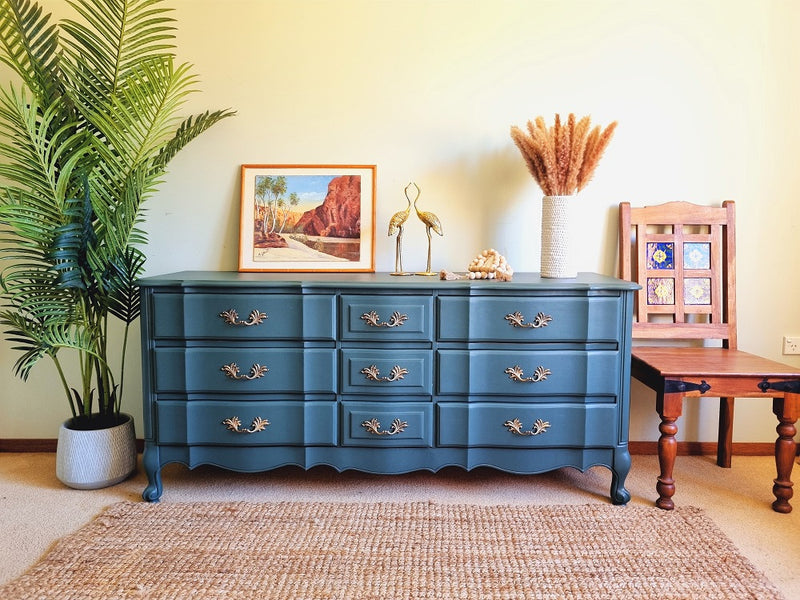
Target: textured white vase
558 240
92 459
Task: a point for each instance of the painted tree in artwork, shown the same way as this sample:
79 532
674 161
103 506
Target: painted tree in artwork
294 200
269 192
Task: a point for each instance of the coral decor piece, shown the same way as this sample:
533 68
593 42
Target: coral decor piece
562 158
489 264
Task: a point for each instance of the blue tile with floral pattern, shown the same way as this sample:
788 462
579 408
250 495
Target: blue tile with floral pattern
660 255
696 255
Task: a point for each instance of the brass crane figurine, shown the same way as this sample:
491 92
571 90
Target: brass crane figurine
396 224
431 222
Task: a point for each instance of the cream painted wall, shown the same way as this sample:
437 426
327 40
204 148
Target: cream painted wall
704 92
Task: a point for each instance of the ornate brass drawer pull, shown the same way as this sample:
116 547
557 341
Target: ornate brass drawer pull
372 319
516 374
373 426
516 319
373 373
232 370
231 317
234 424
515 427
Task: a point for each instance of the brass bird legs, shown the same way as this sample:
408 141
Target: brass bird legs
396 224
431 221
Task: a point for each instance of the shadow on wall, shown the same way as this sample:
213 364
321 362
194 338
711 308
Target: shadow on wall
482 202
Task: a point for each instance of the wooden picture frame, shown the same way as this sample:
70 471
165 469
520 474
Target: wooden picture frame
307 218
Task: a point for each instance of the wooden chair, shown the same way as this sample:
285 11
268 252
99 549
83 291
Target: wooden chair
683 256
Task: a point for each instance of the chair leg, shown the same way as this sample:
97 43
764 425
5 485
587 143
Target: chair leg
787 409
669 407
725 436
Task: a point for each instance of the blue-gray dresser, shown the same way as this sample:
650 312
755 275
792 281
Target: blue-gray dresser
253 371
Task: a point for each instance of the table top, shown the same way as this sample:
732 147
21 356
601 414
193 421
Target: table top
711 362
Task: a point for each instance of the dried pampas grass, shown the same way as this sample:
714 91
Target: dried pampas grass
562 158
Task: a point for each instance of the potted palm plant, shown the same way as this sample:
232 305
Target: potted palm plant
85 137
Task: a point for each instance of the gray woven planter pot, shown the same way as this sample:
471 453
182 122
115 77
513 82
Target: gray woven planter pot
89 460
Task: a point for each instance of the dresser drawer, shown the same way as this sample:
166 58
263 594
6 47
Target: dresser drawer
529 372
237 423
244 316
370 371
530 319
387 318
514 425
242 370
385 425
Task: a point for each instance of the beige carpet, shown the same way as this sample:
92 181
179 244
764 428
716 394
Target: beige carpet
347 551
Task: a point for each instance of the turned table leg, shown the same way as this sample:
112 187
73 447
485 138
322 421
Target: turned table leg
787 410
669 407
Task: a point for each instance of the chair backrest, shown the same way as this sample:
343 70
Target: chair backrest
683 255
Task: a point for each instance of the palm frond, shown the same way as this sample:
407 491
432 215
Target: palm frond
135 124
36 340
72 241
39 157
30 44
117 35
31 289
118 210
26 232
192 127
120 281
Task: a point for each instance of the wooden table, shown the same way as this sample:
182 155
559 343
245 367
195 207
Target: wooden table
729 376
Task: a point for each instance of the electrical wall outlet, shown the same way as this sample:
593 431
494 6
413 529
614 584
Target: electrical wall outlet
791 344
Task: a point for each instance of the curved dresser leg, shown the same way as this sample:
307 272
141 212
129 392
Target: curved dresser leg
152 466
620 470
787 409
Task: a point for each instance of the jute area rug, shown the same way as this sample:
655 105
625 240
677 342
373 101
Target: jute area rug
314 551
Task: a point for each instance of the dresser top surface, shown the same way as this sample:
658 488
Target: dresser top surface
520 281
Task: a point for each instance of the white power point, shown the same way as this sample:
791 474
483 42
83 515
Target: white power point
791 344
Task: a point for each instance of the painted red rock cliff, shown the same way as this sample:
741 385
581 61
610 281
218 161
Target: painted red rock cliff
339 215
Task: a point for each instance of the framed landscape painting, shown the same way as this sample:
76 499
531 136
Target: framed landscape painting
307 218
